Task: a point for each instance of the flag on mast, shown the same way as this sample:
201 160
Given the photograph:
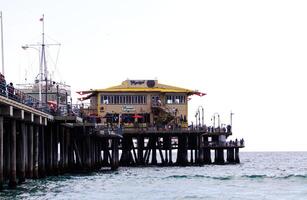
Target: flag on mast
42 18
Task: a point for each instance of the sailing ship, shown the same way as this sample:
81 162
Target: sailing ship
49 92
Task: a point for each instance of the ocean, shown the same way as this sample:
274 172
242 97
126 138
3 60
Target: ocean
261 175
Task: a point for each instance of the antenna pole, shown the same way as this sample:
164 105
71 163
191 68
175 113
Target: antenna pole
2 50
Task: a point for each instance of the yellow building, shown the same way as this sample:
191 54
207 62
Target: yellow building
141 102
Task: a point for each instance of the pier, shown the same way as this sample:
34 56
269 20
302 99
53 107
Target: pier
36 142
177 148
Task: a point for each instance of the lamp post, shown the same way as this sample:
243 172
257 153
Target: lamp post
196 119
25 47
218 119
202 115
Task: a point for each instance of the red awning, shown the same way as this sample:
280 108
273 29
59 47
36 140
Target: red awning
137 116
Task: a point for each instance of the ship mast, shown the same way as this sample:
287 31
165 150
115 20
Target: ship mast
43 70
43 64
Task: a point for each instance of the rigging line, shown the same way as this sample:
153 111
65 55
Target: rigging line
57 58
52 39
53 67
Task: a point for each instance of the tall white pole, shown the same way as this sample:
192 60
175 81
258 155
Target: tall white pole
2 49
41 62
202 114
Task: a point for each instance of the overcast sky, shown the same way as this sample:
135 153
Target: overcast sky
248 56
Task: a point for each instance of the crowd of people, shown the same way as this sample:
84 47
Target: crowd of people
9 91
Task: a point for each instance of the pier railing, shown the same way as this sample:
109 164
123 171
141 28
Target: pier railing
238 143
14 94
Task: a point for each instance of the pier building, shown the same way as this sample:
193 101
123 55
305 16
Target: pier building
145 102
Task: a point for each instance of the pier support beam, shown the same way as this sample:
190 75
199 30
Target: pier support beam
88 152
114 160
105 152
13 179
140 145
49 150
125 159
67 149
55 148
207 151
7 150
154 151
1 153
219 156
30 152
182 157
42 168
170 150
36 152
21 153
62 149
237 158
230 155
200 150
207 156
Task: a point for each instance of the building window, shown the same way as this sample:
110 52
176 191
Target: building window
123 99
171 99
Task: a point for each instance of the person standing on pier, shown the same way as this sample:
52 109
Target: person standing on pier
2 85
10 90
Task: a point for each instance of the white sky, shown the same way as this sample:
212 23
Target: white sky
248 56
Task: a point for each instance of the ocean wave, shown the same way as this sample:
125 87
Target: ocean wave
252 176
289 176
200 176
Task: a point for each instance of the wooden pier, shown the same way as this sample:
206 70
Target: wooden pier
177 148
35 144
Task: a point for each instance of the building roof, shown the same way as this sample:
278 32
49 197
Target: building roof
141 86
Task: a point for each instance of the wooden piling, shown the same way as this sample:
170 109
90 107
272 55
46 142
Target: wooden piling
237 158
55 149
42 167
182 157
219 156
22 153
26 148
154 150
36 152
170 151
7 150
126 151
49 150
1 154
230 155
200 150
114 160
67 148
165 147
88 153
13 179
30 151
207 151
62 149
140 146
196 149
